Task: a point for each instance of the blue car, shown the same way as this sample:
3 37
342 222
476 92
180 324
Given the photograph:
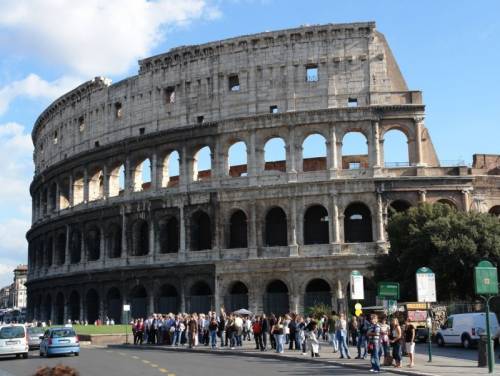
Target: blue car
59 341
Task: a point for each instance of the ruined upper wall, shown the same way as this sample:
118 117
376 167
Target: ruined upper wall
354 67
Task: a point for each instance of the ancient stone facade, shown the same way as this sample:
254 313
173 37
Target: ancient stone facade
268 235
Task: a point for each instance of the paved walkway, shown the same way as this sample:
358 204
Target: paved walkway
448 361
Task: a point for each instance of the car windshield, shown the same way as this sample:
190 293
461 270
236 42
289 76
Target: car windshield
63 333
36 330
12 332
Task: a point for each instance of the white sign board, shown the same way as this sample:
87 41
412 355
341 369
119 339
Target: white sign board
357 287
126 307
426 286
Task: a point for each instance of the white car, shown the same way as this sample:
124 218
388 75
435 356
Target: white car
13 340
465 329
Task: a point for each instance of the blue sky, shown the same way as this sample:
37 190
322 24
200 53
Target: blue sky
448 49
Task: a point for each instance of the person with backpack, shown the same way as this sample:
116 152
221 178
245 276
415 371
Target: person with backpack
373 336
257 334
213 328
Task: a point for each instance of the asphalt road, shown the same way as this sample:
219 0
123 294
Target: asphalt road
110 362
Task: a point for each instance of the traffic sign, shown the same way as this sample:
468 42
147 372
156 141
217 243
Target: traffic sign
388 290
486 278
391 306
357 286
126 307
426 285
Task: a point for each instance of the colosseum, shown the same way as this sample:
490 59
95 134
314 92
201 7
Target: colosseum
123 212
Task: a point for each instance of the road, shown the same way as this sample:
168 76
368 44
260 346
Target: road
100 361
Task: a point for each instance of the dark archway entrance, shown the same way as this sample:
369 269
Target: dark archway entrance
75 246
93 243
114 241
59 313
114 301
139 302
276 228
238 230
92 302
200 299
169 236
201 232
237 298
168 301
357 224
317 292
276 298
316 225
47 308
74 306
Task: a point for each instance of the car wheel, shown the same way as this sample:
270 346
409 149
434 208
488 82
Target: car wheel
25 356
440 340
466 343
77 354
18 356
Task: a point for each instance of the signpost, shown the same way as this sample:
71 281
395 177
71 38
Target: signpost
126 310
426 293
357 286
486 286
388 290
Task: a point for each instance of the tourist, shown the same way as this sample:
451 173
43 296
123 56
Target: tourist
312 339
279 333
213 328
395 340
342 337
363 326
373 335
331 327
410 342
384 341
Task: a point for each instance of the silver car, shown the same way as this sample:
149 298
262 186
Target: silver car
34 334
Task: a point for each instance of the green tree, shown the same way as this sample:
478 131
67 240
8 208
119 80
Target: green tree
448 241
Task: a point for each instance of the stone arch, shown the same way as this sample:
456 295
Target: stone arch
93 243
59 309
168 299
238 237
74 306
92 305
78 182
357 223
316 225
96 184
116 180
396 152
47 308
237 160
171 169
318 291
169 235
49 248
200 297
201 231
202 164
399 206
114 240
237 297
275 154
52 204
142 174
495 210
114 304
139 302
64 198
314 153
140 238
75 246
276 298
445 201
354 150
61 248
276 231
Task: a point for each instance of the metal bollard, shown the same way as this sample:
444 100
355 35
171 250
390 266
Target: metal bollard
482 351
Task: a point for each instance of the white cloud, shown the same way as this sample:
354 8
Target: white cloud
32 86
95 37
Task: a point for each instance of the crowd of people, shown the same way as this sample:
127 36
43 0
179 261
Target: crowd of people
371 336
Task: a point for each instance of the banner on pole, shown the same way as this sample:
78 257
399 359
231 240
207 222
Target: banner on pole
426 285
357 286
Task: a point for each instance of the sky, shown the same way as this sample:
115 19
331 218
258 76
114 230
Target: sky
449 49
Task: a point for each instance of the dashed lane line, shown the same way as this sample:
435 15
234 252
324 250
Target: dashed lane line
162 370
146 361
154 365
135 357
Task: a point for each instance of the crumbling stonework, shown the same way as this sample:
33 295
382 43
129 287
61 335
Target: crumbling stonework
267 235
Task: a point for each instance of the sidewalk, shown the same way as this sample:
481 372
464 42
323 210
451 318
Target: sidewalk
441 365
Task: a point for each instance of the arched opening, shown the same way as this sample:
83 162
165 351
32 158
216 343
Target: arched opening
201 231
395 149
75 246
139 302
238 230
78 188
92 300
237 298
276 298
142 175
64 193
357 224
275 155
93 243
114 241
40 252
61 248
495 210
354 151
314 153
114 302
169 235
44 200
170 175
49 248
317 292
74 306
276 228
399 206
117 181
202 164
53 197
450 203
140 238
59 314
168 301
316 225
237 159
96 184
200 299
47 308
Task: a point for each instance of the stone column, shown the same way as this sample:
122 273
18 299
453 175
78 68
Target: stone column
85 186
331 145
58 199
335 228
252 158
124 232
291 167
252 244
152 243
151 302
183 178
67 251
102 244
182 234
182 297
292 228
105 182
422 195
466 200
380 219
70 191
129 178
154 173
376 163
419 124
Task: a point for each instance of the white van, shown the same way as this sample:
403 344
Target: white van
13 340
465 329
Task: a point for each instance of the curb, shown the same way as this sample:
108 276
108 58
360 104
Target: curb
270 356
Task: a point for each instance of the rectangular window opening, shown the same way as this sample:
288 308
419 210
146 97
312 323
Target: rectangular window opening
354 165
352 102
142 131
96 144
118 110
81 124
199 119
170 94
273 109
234 82
55 138
312 73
